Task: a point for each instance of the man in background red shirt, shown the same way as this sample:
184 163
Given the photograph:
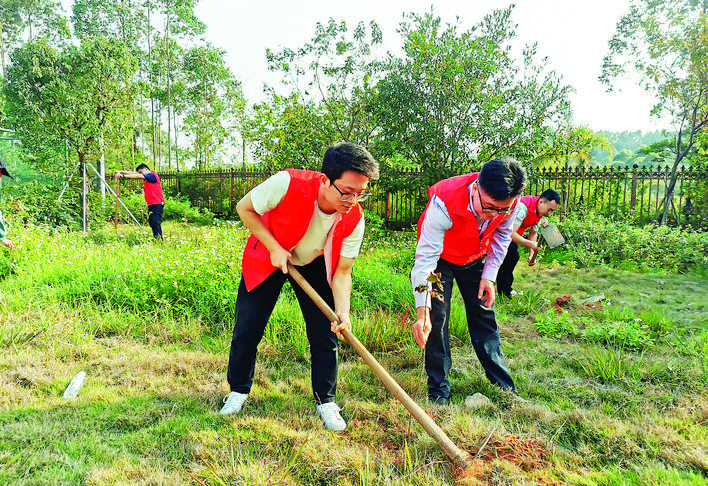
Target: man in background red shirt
153 195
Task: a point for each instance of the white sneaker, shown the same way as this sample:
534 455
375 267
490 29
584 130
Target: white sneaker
233 403
329 413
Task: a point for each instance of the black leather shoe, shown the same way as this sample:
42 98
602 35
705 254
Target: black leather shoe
437 400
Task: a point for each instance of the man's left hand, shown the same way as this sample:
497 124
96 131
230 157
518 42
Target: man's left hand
338 327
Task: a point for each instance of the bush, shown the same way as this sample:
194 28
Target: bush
556 326
40 204
631 334
593 240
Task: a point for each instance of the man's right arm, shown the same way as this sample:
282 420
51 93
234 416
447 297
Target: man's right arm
430 246
128 174
268 195
519 217
279 256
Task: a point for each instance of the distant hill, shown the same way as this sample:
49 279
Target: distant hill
625 142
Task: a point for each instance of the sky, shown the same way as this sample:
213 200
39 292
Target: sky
573 35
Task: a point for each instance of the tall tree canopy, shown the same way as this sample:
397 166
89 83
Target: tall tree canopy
72 96
665 44
328 83
455 98
27 20
214 101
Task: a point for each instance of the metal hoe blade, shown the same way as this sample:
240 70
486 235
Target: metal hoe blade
552 236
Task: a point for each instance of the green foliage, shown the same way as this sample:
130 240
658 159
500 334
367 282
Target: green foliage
382 253
330 85
39 204
142 319
611 365
556 325
593 240
186 275
631 141
36 202
632 334
454 98
179 209
288 134
666 45
215 101
76 95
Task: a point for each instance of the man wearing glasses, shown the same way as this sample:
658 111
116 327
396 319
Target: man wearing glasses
463 235
314 221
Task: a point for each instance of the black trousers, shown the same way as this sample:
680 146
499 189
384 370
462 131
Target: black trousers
155 219
253 309
505 276
481 323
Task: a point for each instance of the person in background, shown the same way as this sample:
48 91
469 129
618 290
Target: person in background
463 235
7 243
314 221
152 187
530 210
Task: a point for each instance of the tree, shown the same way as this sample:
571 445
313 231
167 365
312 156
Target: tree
289 134
573 145
121 19
180 22
665 43
35 18
41 18
70 97
454 98
328 84
214 100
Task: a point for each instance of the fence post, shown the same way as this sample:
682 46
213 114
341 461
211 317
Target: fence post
232 194
633 197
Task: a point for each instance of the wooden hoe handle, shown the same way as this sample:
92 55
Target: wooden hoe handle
459 457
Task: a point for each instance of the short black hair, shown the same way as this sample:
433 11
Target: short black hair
551 195
342 157
502 179
141 166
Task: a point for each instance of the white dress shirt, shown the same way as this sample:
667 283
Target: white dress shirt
430 245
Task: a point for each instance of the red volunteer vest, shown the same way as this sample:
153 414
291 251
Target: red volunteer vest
532 216
288 223
462 243
153 191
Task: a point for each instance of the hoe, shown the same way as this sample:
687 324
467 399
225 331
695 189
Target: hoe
460 459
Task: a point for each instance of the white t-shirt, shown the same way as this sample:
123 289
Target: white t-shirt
520 215
271 192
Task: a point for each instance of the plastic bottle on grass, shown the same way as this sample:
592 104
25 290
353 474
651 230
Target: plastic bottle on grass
75 385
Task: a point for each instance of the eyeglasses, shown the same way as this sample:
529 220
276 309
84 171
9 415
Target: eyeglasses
348 196
485 209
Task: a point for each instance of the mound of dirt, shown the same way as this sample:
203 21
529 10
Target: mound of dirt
561 302
529 455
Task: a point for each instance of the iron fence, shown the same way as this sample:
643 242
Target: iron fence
633 193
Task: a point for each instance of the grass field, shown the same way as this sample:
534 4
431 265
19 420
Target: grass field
616 387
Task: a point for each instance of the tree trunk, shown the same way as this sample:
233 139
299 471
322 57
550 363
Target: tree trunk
2 50
83 159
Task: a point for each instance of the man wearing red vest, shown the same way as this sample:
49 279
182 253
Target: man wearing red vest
152 187
463 235
313 220
529 213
